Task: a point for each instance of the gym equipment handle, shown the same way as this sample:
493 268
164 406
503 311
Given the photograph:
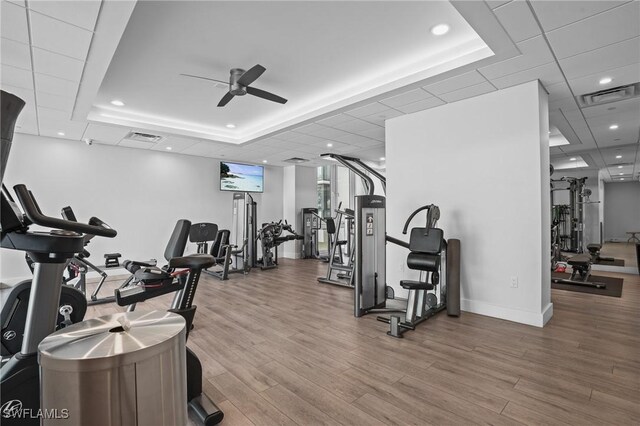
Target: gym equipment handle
33 213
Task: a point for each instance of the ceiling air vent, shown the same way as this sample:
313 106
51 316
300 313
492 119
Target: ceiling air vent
295 160
606 96
143 137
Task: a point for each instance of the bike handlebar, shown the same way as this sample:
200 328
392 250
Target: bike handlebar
35 215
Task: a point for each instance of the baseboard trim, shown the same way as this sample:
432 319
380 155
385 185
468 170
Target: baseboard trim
536 319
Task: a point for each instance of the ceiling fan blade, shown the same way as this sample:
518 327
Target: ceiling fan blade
225 99
250 76
205 78
266 95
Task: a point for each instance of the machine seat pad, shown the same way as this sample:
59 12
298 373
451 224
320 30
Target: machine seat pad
133 265
594 247
341 242
423 261
580 260
193 261
416 285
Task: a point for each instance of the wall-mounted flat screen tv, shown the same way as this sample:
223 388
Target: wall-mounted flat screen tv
239 177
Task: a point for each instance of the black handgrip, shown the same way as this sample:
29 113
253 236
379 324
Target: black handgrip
33 213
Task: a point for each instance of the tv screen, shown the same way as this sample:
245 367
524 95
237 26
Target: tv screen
241 177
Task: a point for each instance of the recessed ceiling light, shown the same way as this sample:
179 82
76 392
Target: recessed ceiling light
231 126
613 127
618 156
117 102
440 29
620 174
572 159
619 167
605 80
60 133
329 145
264 161
382 158
621 178
168 148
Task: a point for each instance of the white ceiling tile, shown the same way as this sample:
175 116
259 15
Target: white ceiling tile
130 143
27 121
176 143
52 114
50 63
421 105
600 60
80 13
406 98
309 129
205 149
71 130
369 109
625 118
555 14
358 140
609 27
105 134
535 52
355 126
56 86
14 22
468 92
496 3
334 119
548 74
15 54
56 36
632 104
18 2
455 83
302 138
25 94
558 91
517 19
622 76
17 77
381 117
55 102
285 136
377 133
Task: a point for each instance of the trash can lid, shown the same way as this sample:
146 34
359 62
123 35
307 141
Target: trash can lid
111 341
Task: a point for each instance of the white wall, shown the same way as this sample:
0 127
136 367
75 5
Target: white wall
622 210
485 162
140 193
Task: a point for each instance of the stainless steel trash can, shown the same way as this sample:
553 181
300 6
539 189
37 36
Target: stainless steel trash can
122 369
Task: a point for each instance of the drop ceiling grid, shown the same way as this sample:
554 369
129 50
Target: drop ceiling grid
57 51
537 61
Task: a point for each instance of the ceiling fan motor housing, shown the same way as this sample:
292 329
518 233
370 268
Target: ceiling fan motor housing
235 88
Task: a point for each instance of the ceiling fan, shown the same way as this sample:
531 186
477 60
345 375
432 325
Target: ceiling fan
239 85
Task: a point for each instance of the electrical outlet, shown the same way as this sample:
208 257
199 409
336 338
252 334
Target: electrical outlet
514 282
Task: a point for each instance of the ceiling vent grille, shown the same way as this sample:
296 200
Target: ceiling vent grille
295 160
606 96
143 137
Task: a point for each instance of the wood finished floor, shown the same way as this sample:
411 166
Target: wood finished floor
624 251
280 349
